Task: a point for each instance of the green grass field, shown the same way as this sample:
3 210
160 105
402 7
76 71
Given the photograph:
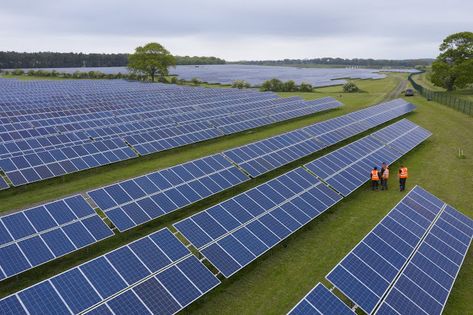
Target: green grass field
276 281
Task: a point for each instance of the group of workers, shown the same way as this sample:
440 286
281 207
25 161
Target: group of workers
382 176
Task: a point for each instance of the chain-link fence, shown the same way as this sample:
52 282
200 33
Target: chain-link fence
455 102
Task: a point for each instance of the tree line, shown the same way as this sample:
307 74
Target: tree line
13 60
372 63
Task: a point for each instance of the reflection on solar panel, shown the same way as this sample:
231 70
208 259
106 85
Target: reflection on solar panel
37 235
411 258
427 280
320 301
139 200
153 275
56 128
265 155
237 231
348 168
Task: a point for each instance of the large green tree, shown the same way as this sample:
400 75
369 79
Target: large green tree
152 59
453 68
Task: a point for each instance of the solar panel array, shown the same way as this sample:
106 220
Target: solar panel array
49 129
237 231
426 282
321 301
139 200
348 168
268 154
32 237
153 275
408 263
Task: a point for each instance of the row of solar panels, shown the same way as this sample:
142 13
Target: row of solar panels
136 201
268 154
235 232
34 236
24 98
406 265
42 165
107 117
190 190
157 274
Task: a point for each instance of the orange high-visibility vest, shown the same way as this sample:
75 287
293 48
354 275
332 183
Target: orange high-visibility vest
374 175
403 173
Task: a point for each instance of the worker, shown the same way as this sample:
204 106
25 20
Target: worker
374 178
402 177
385 177
381 172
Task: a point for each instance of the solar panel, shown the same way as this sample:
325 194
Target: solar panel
52 129
237 231
367 272
321 301
32 237
348 168
153 275
34 167
260 157
136 201
3 184
427 280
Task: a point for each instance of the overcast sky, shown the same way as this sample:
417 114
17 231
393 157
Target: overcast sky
237 29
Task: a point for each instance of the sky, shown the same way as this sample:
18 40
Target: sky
237 29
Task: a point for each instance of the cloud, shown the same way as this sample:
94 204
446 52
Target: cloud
236 30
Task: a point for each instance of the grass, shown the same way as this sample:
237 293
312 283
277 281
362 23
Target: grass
423 79
276 281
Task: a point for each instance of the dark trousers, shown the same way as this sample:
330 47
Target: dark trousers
374 185
402 184
384 184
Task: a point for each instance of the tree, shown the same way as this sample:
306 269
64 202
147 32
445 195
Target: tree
306 87
289 86
240 84
350 87
151 59
453 68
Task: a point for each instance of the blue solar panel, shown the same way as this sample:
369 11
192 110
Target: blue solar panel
348 168
265 155
366 273
37 235
235 232
3 184
156 274
427 280
136 201
46 135
321 301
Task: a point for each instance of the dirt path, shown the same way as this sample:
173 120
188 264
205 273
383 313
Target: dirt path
397 91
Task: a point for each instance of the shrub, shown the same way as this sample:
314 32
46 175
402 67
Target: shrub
306 87
350 87
18 72
196 81
240 84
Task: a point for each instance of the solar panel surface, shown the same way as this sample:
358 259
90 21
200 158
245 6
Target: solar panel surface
321 301
153 275
35 236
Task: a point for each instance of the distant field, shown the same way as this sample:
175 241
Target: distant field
276 281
